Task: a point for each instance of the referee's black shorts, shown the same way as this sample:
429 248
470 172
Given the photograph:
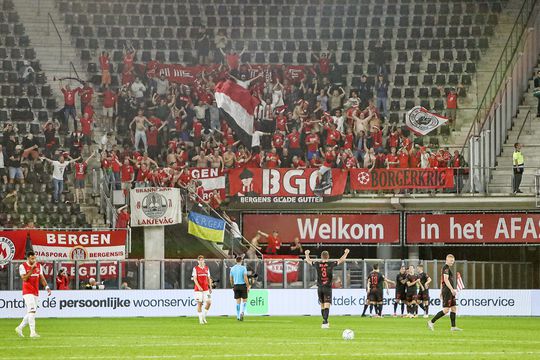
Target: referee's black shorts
240 291
324 294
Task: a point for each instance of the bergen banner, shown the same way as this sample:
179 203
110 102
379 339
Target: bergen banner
390 179
471 228
317 228
12 245
78 245
255 185
211 179
154 206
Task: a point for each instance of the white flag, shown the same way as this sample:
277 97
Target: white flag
423 122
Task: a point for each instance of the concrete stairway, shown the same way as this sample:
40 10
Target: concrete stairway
501 179
45 40
480 81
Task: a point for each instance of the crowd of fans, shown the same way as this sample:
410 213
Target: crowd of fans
155 129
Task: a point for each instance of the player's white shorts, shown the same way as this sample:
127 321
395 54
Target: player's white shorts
31 302
203 296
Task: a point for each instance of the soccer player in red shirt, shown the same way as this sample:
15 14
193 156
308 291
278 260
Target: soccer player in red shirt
80 175
203 288
31 274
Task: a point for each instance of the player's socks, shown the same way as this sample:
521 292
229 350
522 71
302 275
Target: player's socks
370 309
200 317
244 305
439 315
322 313
453 319
395 308
325 315
238 311
422 307
365 309
379 307
426 309
24 322
32 323
402 308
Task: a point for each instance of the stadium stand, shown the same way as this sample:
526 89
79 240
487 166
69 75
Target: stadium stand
27 104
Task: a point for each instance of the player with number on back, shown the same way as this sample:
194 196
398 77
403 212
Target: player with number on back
324 270
448 294
401 295
423 294
203 288
376 282
31 274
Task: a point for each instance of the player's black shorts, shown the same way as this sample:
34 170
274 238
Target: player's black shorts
375 295
412 296
324 294
401 294
448 299
423 295
240 291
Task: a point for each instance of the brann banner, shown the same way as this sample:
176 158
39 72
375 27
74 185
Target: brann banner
155 206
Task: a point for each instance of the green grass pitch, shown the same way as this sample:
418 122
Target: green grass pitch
272 337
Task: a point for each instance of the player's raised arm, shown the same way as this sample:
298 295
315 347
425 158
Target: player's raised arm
343 257
308 259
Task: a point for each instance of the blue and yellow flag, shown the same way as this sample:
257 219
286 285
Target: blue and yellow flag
206 227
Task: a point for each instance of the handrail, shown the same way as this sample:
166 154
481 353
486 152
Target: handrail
58 33
496 77
74 70
201 201
523 125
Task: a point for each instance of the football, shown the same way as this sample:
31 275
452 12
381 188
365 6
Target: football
348 334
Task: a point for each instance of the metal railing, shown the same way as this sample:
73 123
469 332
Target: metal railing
528 120
51 20
274 273
506 60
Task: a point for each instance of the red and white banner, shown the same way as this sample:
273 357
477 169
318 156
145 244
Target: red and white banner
179 73
212 179
237 106
107 270
390 179
422 122
154 206
470 228
12 245
78 245
274 268
326 228
255 185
